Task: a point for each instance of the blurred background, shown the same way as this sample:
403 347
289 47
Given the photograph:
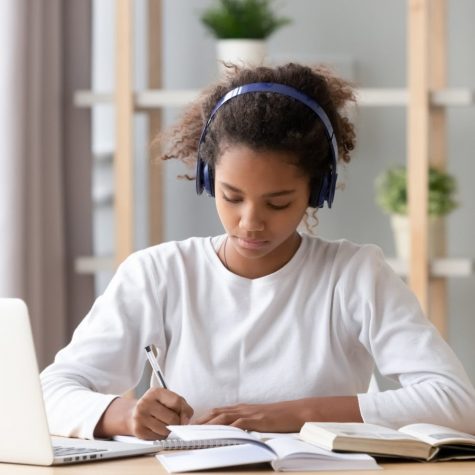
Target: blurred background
78 190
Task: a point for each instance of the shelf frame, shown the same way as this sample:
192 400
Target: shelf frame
124 110
426 130
155 168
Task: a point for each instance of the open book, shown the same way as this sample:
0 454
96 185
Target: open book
283 453
427 442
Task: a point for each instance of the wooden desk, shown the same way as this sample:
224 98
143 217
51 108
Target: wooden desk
148 465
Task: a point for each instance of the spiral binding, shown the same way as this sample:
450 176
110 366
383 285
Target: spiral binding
179 444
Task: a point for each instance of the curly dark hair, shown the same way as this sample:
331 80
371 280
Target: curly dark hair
265 120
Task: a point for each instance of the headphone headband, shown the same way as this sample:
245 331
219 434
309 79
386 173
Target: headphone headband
326 190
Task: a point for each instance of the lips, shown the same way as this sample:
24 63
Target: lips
251 243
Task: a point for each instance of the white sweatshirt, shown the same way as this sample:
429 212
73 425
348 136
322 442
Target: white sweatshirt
316 327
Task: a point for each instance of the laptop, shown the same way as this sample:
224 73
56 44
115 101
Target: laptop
24 433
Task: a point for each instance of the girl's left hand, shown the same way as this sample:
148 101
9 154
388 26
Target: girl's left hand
286 416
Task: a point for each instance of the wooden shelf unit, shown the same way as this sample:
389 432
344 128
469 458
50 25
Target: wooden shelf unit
426 98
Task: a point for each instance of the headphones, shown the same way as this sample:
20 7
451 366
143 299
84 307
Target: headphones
319 192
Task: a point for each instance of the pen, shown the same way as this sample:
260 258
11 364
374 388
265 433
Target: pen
155 367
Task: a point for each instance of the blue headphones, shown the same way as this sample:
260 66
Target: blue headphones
320 192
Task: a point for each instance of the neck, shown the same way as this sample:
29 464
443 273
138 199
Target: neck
262 266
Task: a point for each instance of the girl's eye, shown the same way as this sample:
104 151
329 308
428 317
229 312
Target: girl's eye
278 207
235 200
230 199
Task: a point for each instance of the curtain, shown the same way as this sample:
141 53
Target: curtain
45 169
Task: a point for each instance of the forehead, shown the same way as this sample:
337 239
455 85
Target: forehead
239 165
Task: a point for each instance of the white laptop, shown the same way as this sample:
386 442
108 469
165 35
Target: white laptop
24 434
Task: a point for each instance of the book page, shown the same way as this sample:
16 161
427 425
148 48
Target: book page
287 447
273 435
296 455
437 435
357 430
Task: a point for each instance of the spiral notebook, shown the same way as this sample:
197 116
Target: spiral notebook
175 443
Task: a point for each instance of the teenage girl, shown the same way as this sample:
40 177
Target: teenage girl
263 327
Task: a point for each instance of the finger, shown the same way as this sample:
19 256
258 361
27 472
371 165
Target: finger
155 416
173 401
210 415
164 414
179 405
248 424
179 411
186 413
158 427
147 434
223 419
203 419
144 425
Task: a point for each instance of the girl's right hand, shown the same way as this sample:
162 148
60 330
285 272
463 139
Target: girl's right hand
156 409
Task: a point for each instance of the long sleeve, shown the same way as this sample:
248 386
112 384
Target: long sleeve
314 328
103 361
407 348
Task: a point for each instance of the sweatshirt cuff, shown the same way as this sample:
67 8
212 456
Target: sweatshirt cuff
88 408
371 412
101 407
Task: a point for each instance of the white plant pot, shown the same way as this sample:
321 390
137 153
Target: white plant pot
240 52
402 238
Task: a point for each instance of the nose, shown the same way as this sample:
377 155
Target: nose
251 219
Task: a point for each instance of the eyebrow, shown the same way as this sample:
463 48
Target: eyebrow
267 195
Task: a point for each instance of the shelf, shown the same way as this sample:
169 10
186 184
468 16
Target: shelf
150 99
381 97
447 267
91 98
147 99
378 97
457 267
367 97
94 264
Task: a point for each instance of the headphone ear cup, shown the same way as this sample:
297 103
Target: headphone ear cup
318 192
315 187
199 176
204 178
323 191
332 187
208 179
323 195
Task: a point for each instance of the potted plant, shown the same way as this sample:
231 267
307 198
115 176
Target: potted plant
241 27
391 196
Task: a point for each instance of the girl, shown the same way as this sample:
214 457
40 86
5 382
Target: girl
264 327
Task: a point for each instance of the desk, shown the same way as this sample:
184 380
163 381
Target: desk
148 465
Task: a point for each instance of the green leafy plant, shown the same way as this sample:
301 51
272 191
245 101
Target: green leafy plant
250 19
391 192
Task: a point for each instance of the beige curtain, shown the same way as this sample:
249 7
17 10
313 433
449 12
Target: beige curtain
45 198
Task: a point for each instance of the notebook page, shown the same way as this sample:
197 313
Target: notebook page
207 432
